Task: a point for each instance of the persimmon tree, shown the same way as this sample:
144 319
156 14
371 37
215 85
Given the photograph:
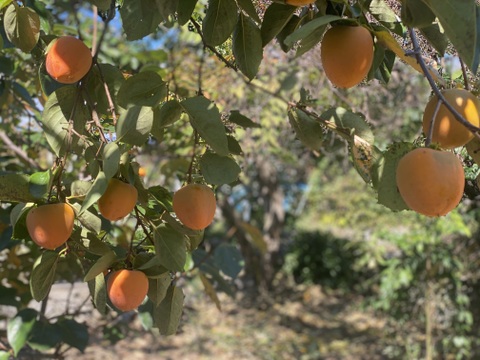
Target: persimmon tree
69 137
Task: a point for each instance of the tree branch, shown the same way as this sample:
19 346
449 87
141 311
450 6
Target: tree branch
433 85
18 151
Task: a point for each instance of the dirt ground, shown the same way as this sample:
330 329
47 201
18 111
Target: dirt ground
303 324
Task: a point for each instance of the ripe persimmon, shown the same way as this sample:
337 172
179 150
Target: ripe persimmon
50 225
195 206
448 132
68 59
118 200
142 171
431 182
347 54
126 289
299 2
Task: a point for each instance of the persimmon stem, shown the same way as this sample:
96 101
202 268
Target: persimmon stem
417 52
194 150
428 140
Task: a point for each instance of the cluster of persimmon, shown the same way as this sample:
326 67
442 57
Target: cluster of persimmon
68 60
432 181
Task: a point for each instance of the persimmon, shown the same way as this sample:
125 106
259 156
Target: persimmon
127 289
299 2
347 54
68 60
430 181
142 171
118 200
195 206
448 132
51 225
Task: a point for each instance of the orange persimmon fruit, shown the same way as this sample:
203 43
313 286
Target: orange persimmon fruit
448 132
195 205
347 54
431 182
118 200
127 289
51 225
68 59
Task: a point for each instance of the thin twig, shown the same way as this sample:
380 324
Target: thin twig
111 105
145 230
433 85
466 84
95 117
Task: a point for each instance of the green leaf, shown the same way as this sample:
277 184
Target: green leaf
219 21
247 46
143 89
133 11
309 28
210 291
255 236
80 188
218 170
461 21
275 18
353 122
18 220
229 260
249 8
43 274
111 159
167 315
74 333
100 266
4 3
15 188
164 116
309 41
96 191
388 194
158 287
185 10
166 8
4 355
308 130
55 118
436 36
415 13
98 77
98 290
20 327
40 183
382 11
239 119
293 24
205 118
95 246
22 26
134 125
44 336
170 247
101 4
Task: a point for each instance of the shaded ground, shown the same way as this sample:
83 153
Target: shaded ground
305 324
